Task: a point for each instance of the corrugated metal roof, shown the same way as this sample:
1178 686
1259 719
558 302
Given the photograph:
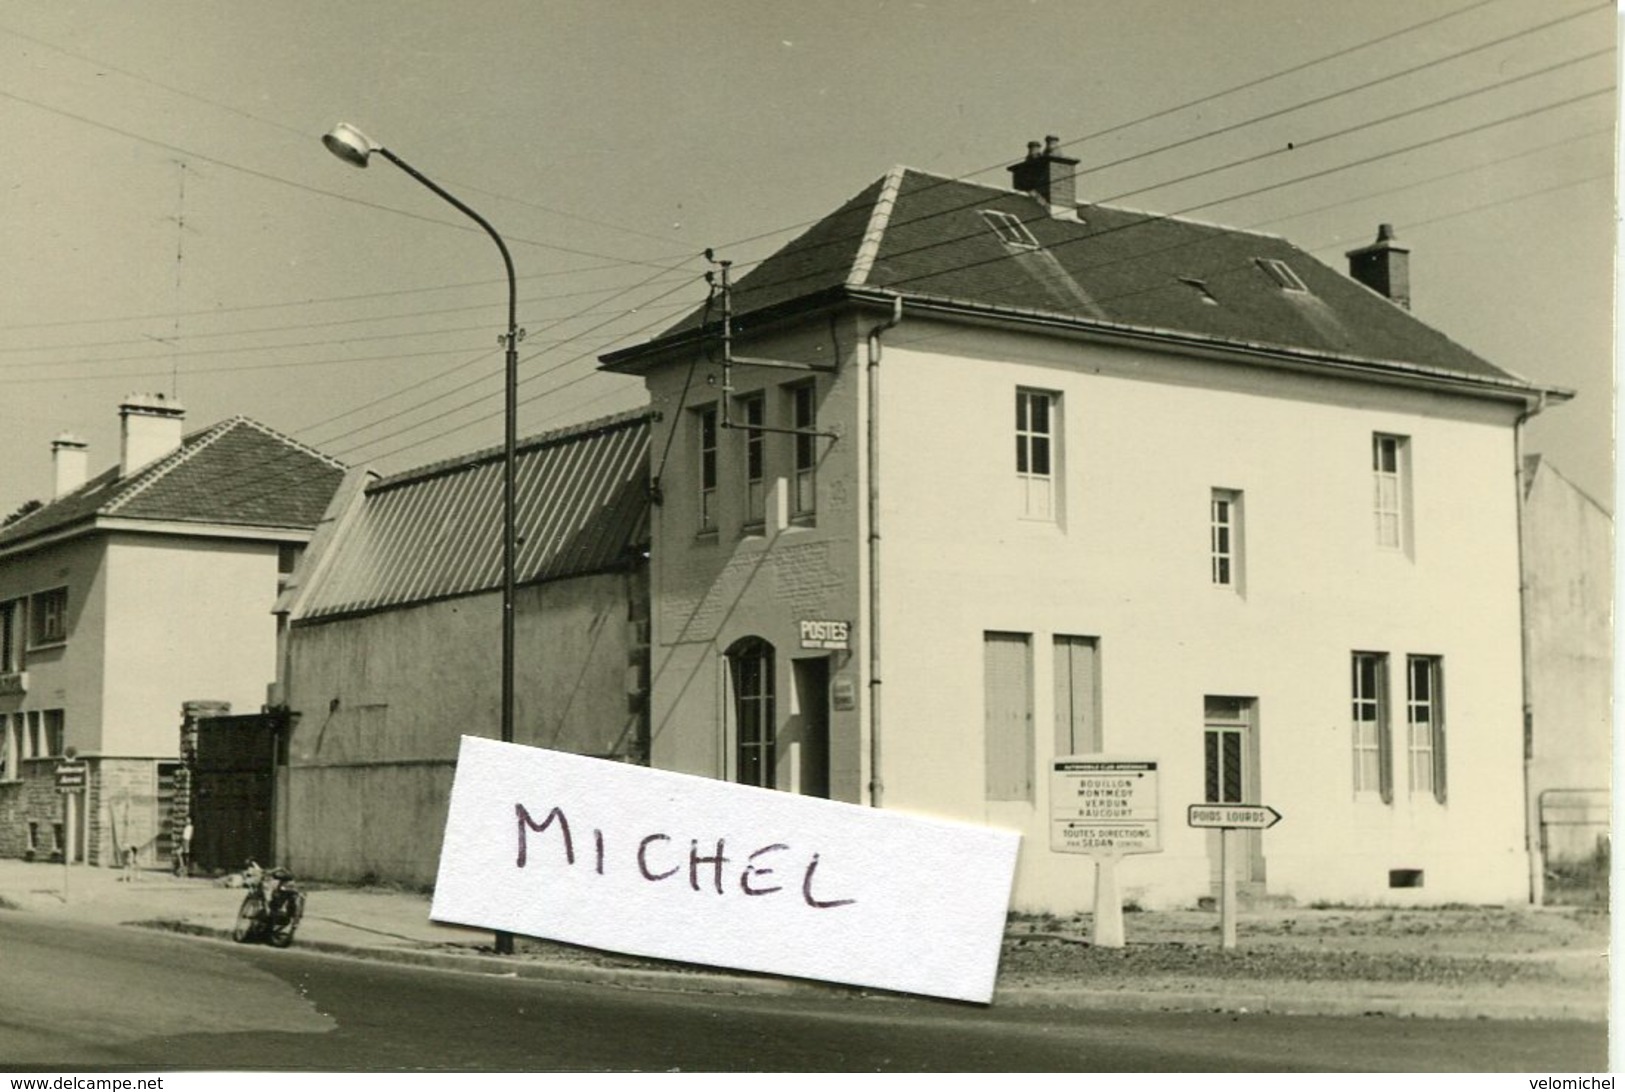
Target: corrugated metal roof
581 506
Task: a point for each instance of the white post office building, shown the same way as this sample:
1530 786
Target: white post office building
966 478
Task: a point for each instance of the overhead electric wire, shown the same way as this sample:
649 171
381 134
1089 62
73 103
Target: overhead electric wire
1222 200
1310 142
848 238
563 364
392 316
303 135
1200 100
269 177
1330 96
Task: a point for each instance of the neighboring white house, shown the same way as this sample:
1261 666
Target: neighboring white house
1052 478
127 595
1569 580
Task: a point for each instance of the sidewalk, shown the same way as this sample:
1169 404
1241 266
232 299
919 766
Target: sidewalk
1409 963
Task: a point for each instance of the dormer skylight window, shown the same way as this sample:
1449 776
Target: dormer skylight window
1282 274
1010 230
1201 290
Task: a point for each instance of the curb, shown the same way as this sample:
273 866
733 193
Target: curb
1246 1002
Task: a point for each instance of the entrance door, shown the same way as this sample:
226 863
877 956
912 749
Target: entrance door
808 734
1230 776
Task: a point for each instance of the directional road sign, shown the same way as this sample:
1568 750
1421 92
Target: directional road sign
1104 806
1234 816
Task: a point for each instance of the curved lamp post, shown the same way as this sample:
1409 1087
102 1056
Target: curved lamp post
355 148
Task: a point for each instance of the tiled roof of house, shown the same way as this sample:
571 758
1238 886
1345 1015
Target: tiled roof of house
235 473
935 240
582 506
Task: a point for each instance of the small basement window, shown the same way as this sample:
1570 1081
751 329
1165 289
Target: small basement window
1010 229
1404 877
1282 274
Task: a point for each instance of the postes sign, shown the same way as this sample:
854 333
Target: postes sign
1104 806
825 633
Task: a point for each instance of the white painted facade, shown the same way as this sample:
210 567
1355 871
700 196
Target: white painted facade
1142 437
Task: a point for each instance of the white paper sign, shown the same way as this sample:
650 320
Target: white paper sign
668 865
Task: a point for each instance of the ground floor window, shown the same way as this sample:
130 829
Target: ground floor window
1226 727
1424 722
1373 771
1007 685
751 667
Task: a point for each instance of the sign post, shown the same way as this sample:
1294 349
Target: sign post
1105 807
70 782
1229 818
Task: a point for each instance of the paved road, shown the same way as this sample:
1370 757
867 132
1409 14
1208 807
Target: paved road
83 996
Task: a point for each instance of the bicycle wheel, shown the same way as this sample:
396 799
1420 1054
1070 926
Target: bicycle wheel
250 918
286 921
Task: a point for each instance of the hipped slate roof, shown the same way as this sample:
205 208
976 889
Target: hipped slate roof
581 506
1107 270
237 473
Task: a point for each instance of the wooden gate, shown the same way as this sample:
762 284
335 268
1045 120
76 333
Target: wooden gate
233 780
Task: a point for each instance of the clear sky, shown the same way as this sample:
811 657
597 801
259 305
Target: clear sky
170 222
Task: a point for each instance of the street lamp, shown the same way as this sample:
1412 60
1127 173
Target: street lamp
355 148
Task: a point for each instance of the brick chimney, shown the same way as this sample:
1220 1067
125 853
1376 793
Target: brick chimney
1048 175
69 458
150 429
1384 267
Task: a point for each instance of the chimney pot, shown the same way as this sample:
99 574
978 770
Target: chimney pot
69 458
150 428
1048 176
1384 266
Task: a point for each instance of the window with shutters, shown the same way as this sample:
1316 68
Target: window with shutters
1424 725
1077 696
1008 732
1373 772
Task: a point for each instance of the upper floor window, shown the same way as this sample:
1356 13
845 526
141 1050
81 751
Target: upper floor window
752 409
803 417
11 636
1424 723
52 731
1391 470
1369 690
1035 453
1224 538
706 425
48 617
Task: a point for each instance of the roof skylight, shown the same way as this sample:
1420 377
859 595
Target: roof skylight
1010 229
1282 274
